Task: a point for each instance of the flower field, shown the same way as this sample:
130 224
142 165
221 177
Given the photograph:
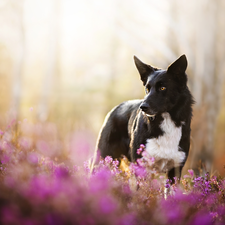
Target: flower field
37 186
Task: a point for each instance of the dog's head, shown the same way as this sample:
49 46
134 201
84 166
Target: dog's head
163 87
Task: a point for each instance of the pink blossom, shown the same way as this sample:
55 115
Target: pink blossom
32 158
116 163
108 159
191 172
145 154
107 204
139 150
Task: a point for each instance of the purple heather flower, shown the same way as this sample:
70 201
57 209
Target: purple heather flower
5 159
76 168
9 181
139 171
129 219
214 215
116 163
108 159
87 166
100 181
139 150
174 214
145 154
107 204
202 218
44 148
25 143
126 189
52 219
141 162
155 184
49 164
61 172
191 172
9 215
167 185
32 158
56 197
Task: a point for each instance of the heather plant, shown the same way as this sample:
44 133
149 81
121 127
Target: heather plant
38 185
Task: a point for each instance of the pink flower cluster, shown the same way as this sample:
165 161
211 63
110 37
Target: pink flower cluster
39 187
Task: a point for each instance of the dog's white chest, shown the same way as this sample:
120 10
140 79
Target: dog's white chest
165 148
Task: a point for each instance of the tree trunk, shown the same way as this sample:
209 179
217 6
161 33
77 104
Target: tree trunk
50 79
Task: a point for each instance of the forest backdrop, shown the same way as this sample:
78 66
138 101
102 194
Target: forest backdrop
66 63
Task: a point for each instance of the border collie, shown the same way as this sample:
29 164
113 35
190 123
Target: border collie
161 121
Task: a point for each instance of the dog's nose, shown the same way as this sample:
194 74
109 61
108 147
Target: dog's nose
144 106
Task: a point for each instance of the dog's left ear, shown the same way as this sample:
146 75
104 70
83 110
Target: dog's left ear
143 69
179 66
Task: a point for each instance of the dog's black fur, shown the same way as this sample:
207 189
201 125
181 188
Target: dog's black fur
134 122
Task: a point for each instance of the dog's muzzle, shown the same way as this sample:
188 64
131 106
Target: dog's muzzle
145 109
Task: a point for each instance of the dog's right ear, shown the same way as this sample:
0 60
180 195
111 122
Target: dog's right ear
143 69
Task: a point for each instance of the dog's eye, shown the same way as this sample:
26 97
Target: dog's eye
147 90
162 88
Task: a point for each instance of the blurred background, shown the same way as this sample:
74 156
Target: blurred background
65 63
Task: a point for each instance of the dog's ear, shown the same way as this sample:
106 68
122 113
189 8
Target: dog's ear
179 66
177 71
143 69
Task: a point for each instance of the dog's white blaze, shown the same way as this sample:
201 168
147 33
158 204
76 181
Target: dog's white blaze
165 148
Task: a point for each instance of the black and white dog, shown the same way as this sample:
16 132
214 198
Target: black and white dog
161 121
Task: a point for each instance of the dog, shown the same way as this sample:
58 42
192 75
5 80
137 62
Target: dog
161 121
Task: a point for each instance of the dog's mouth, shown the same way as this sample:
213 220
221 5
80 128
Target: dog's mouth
147 110
151 116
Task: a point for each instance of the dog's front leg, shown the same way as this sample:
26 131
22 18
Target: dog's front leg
138 136
175 172
134 145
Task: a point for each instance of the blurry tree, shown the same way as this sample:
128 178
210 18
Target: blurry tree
111 85
18 53
200 33
5 79
50 84
145 33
